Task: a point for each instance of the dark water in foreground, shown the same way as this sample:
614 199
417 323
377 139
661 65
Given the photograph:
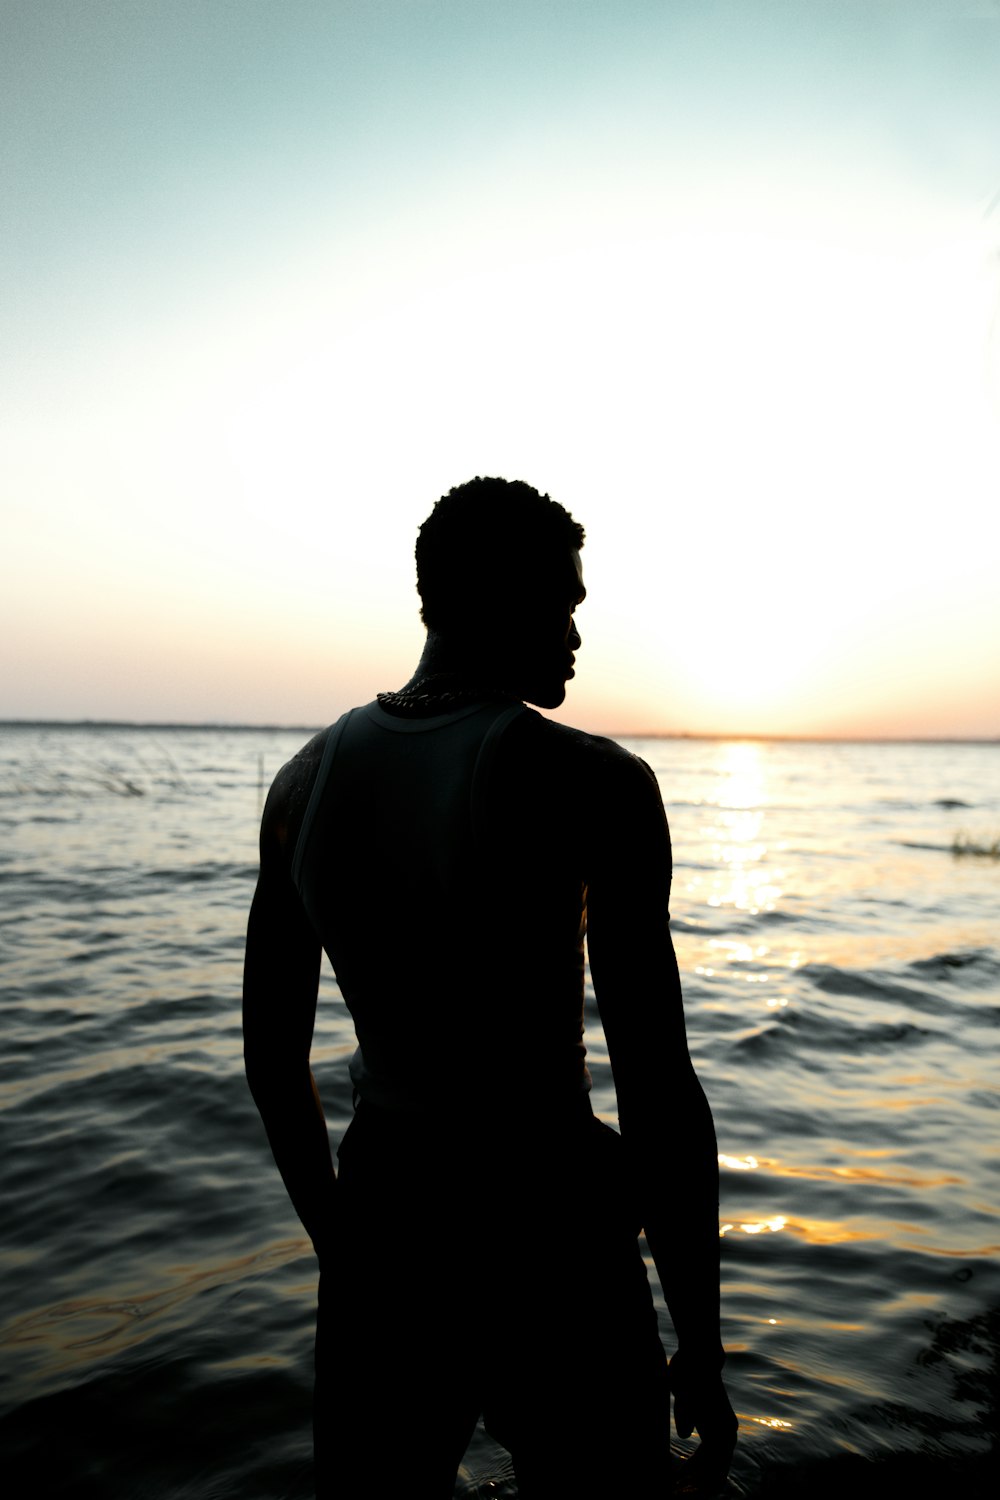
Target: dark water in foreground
842 975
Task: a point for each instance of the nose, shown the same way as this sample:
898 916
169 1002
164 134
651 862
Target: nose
573 640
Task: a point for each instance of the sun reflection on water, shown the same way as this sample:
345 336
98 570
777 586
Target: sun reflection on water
743 770
742 877
756 1226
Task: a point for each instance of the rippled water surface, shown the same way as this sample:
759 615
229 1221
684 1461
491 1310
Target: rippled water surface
842 979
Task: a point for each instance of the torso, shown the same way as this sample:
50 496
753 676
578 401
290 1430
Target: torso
458 949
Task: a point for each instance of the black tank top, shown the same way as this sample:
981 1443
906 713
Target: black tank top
454 929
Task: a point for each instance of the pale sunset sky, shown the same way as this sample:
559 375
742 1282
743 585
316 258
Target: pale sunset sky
722 276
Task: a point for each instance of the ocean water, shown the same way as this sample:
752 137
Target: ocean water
838 938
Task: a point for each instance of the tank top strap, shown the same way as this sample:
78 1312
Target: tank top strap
316 796
479 796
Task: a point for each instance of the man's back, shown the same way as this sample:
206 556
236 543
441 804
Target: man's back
443 861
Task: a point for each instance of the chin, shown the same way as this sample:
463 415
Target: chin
552 696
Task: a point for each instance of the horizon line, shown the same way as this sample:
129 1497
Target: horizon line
630 734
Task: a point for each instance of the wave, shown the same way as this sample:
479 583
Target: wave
793 1030
973 965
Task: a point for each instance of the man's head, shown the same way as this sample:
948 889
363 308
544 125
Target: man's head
498 572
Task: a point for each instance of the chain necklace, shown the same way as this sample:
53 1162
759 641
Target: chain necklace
438 692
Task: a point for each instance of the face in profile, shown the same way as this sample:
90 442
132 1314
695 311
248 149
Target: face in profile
542 644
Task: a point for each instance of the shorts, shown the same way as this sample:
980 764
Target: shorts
487 1269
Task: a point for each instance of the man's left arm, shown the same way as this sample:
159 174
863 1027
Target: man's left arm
280 983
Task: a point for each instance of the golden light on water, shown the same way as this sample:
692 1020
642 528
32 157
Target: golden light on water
737 849
827 1231
742 767
812 1231
734 873
71 1330
899 1176
742 876
758 1226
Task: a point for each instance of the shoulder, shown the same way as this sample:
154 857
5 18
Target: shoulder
568 778
604 767
288 798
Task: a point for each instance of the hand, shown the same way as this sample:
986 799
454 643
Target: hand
701 1403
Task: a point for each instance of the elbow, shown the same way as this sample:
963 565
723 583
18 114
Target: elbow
257 1073
272 1076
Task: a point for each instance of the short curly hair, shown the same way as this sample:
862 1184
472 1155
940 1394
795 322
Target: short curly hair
486 539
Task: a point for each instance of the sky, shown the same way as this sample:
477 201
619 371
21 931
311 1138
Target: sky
721 276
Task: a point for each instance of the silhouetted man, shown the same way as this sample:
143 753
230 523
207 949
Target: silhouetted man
448 847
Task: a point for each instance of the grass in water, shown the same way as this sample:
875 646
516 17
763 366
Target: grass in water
964 843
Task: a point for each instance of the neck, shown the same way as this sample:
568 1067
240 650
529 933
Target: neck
443 656
447 674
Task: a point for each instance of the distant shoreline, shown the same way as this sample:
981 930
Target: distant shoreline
622 734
